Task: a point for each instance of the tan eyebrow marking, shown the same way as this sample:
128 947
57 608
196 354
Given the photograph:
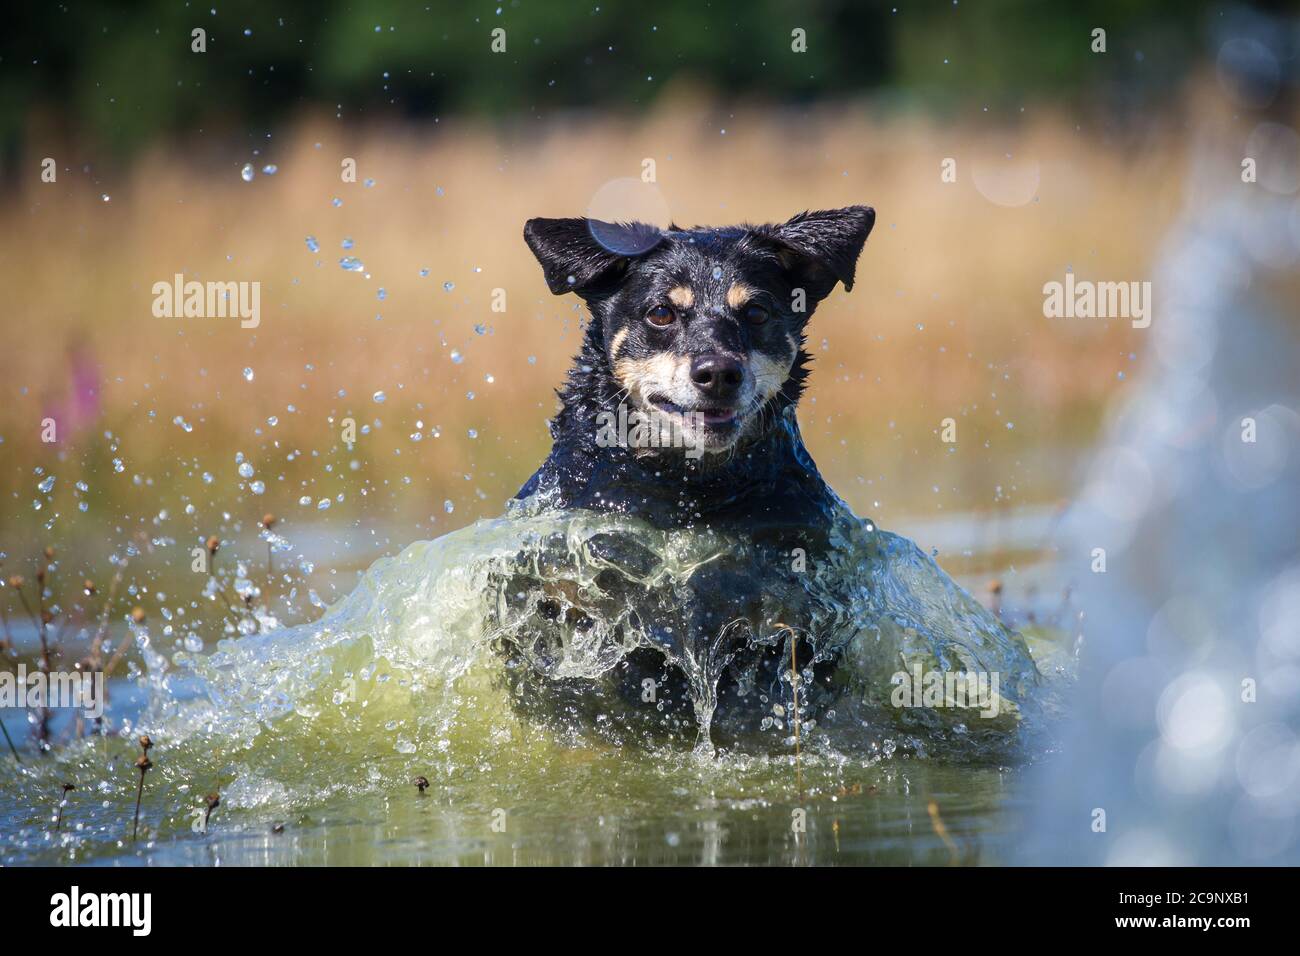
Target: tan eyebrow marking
738 295
681 296
619 337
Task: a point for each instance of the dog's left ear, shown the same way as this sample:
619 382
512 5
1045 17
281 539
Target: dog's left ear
822 248
587 256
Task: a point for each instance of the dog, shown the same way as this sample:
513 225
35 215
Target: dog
696 335
702 330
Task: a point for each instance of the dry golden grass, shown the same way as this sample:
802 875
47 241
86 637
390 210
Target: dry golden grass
946 319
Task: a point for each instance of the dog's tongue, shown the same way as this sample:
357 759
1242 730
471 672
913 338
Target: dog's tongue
717 416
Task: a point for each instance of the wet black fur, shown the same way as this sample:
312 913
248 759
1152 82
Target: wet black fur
621 271
767 489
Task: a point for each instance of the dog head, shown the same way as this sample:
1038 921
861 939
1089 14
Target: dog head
703 328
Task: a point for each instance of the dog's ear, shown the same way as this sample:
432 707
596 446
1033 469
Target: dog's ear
587 256
821 248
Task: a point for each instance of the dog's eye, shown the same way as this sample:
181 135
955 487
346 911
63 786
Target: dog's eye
755 314
661 315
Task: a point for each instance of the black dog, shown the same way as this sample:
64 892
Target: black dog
698 336
706 326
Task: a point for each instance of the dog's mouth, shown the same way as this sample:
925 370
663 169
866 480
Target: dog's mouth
718 417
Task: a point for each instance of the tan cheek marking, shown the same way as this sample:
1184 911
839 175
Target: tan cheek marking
619 338
641 376
738 295
681 296
769 373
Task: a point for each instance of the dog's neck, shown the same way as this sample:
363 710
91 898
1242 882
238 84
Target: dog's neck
768 472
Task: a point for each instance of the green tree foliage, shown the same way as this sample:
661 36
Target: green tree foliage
123 70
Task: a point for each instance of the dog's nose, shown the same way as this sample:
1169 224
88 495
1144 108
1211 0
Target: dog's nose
717 376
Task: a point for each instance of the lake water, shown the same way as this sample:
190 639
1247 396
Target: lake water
315 735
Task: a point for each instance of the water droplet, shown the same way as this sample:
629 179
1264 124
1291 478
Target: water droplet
248 375
379 397
247 173
312 244
448 507
47 485
456 356
256 487
448 286
270 169
245 470
352 264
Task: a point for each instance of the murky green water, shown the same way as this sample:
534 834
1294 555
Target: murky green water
445 662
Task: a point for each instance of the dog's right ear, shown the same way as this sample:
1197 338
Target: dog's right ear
587 256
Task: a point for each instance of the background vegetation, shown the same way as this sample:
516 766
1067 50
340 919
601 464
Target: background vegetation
1063 162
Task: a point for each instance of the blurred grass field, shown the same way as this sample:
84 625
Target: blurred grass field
945 321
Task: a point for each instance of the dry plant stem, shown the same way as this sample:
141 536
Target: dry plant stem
63 798
10 742
144 764
97 644
43 719
213 801
936 821
220 592
95 656
139 793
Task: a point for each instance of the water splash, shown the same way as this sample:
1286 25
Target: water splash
503 643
